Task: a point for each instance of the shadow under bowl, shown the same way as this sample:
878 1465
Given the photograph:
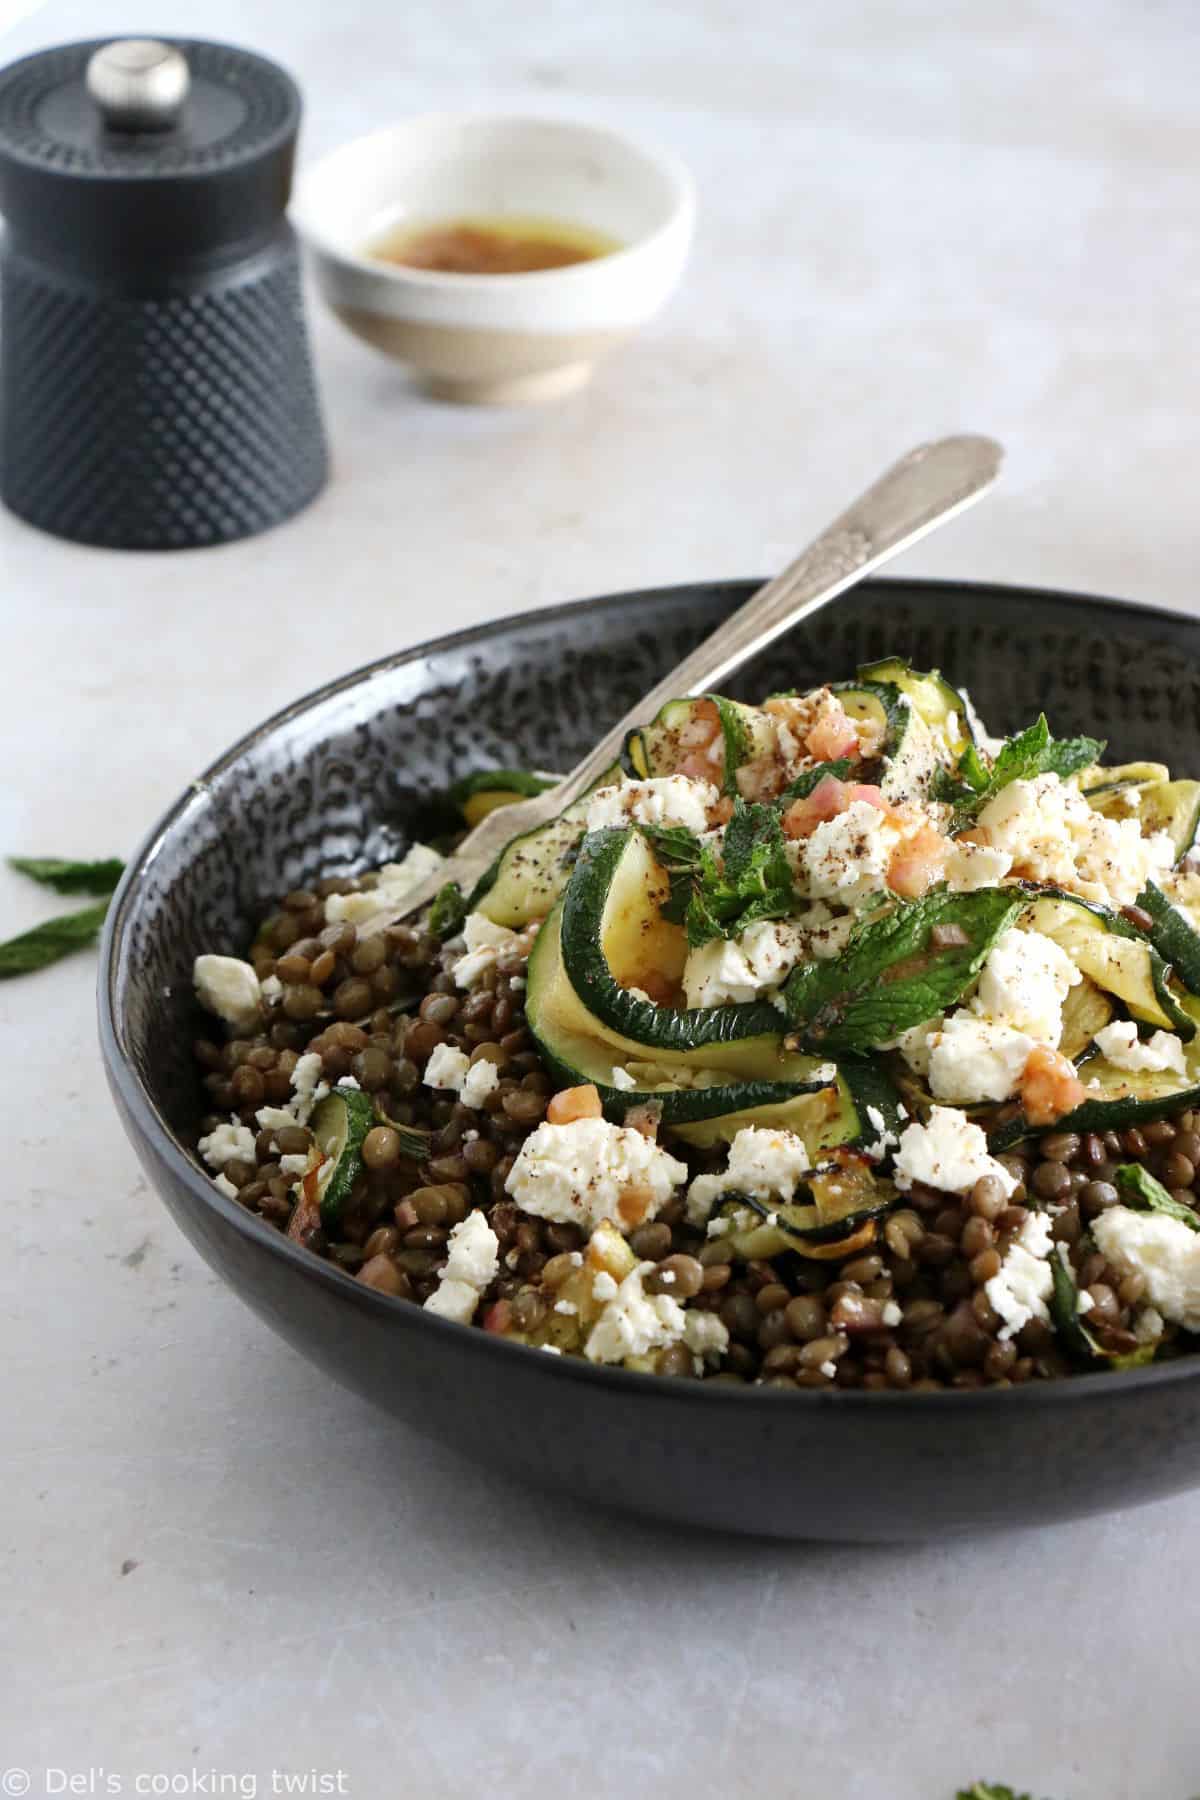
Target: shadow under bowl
337 782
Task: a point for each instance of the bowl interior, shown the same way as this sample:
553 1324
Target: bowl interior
341 780
443 167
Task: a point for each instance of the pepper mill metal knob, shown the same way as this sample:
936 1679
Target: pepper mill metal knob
139 84
156 388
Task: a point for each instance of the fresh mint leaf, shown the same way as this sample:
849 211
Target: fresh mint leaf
678 852
990 1790
67 877
49 943
960 786
891 975
1139 1189
1032 752
448 911
804 784
752 881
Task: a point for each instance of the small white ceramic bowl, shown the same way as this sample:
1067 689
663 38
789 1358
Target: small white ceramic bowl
496 338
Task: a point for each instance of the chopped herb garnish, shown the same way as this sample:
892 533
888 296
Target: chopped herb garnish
752 881
1138 1189
448 911
892 975
1032 752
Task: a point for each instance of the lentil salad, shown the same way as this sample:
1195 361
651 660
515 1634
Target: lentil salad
827 1043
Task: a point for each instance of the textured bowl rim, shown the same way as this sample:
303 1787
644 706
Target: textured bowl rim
151 1124
400 275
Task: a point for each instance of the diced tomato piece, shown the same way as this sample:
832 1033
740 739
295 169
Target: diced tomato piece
829 798
917 862
1049 1086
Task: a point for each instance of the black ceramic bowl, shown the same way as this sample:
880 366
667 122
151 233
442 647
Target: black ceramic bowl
335 781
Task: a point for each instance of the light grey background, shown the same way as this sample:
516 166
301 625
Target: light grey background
914 218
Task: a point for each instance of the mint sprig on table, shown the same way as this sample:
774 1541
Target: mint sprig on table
55 938
895 972
1033 751
990 1790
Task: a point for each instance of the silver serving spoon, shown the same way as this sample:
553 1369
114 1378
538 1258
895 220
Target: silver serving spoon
924 489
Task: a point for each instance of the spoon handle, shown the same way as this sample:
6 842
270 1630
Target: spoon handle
929 485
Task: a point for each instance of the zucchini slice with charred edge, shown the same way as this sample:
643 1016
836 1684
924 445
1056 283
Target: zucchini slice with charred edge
1071 1325
659 748
845 1200
1173 807
1173 935
1116 1098
531 872
909 753
1115 955
339 1125
940 706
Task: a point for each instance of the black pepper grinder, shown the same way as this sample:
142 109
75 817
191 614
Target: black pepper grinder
156 388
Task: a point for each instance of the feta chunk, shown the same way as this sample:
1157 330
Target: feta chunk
480 1079
486 943
846 858
473 1252
950 1153
1021 1290
705 1336
224 1186
634 1322
1023 983
762 1163
589 1170
976 1059
1163 1250
227 986
446 1068
308 1085
396 882
1054 836
472 1261
662 800
970 866
622 1080
272 990
735 969
227 1143
1120 1045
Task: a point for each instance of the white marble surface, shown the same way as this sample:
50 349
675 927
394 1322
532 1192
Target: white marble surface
914 218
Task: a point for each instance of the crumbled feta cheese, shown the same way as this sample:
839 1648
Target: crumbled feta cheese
227 1143
472 1251
224 1186
308 1085
1120 1045
227 986
603 1285
622 1080
970 866
829 1369
892 1314
274 1118
1021 1290
846 858
634 1322
663 800
736 969
396 881
1024 981
272 990
976 1059
1163 1250
485 943
293 1165
762 1163
949 1153
481 1078
705 1336
1147 1327
446 1068
455 1300
1054 836
473 1257
566 1307
1083 1302
581 1173
348 1081
916 1044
